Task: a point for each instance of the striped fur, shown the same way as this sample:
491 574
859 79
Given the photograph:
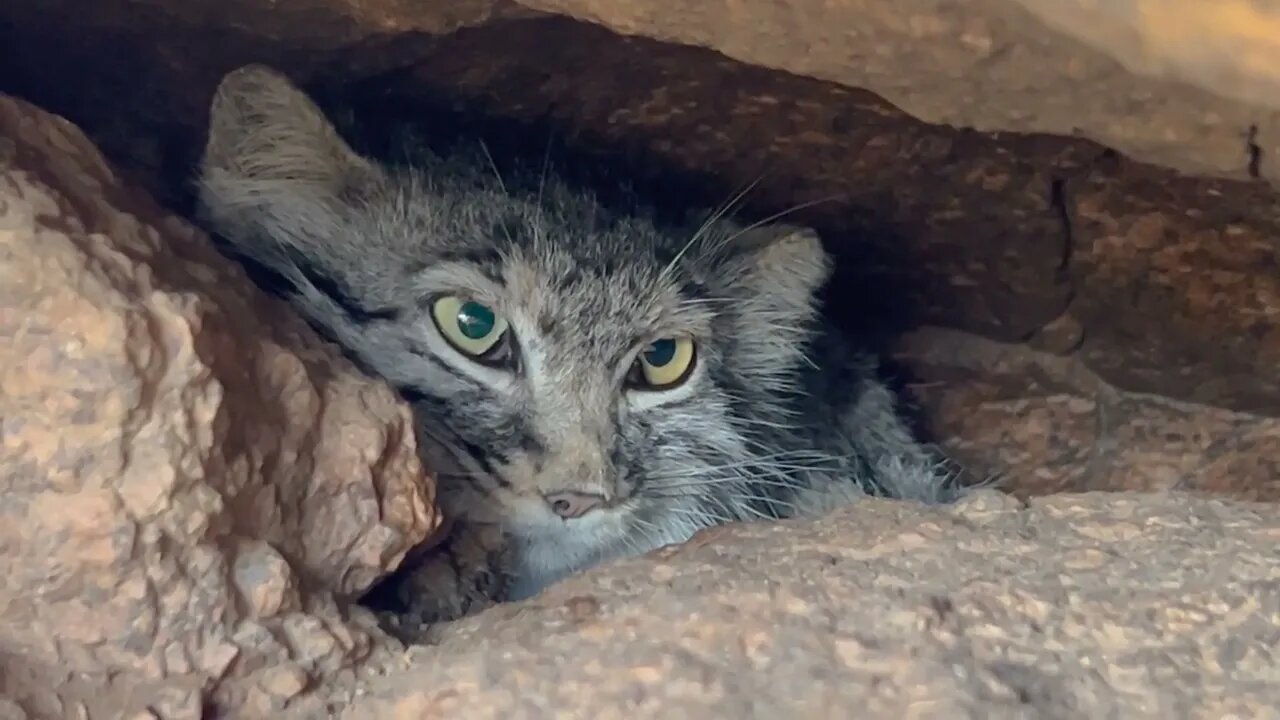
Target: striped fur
779 417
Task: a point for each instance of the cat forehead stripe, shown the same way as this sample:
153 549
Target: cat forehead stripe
560 455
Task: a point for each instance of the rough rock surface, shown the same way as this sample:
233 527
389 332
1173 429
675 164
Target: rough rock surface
1161 606
190 480
1038 423
1185 83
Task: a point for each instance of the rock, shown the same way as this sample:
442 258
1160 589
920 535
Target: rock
166 58
1182 83
297 29
1094 605
1041 424
191 480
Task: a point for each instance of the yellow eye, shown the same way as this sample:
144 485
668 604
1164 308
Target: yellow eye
666 363
471 327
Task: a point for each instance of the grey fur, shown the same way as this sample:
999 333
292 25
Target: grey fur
779 417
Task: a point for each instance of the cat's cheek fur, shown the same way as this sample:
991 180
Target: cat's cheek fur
782 415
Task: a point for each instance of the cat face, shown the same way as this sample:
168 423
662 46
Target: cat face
592 382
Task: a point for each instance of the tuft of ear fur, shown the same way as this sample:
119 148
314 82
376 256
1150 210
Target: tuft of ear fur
275 175
775 272
784 262
262 126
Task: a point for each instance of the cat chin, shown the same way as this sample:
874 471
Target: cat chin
546 552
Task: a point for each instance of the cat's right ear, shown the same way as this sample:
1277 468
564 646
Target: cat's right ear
274 168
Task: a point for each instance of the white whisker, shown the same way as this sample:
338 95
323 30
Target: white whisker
707 225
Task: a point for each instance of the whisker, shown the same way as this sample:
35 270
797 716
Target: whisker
696 492
701 516
633 548
761 422
776 409
710 301
707 224
764 457
655 536
763 464
484 147
644 523
779 215
542 183
767 478
469 467
501 184
694 479
768 500
747 508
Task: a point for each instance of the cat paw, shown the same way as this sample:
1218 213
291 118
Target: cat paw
462 576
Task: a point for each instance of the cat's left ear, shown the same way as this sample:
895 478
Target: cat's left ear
786 263
275 174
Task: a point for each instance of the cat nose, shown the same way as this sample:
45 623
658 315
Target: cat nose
574 504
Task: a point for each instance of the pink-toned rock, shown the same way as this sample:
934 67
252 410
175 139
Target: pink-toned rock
192 485
190 479
1099 605
1184 83
1044 424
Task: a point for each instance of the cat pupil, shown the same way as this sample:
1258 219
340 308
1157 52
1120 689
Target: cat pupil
660 352
475 320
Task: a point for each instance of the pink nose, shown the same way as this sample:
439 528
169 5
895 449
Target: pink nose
574 504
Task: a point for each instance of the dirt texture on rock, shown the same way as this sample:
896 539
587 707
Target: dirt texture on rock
1038 423
1188 84
1183 83
1101 605
192 482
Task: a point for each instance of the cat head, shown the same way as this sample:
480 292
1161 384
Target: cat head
579 374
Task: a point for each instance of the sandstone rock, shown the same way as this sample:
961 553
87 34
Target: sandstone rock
159 61
1183 83
1040 424
189 478
310 28
1077 606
